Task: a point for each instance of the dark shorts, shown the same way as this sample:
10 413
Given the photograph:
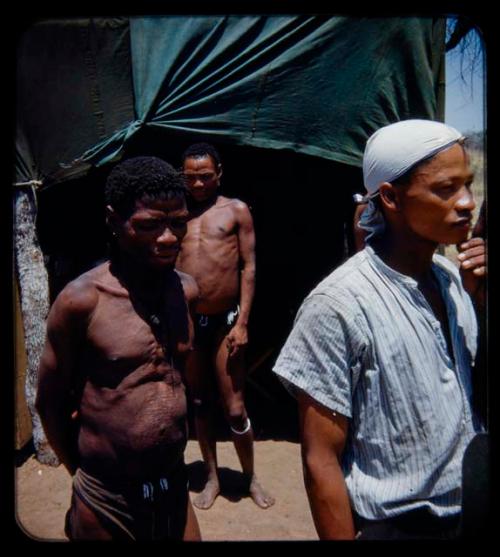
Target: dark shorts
417 524
154 509
209 328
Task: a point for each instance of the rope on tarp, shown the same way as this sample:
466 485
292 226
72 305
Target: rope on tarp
31 183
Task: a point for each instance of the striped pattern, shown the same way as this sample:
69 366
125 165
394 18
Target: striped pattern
366 343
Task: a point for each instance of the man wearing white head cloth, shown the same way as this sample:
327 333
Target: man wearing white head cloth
381 351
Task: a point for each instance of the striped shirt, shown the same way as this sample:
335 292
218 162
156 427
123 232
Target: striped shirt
367 344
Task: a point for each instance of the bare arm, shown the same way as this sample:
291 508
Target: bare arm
473 269
57 375
246 238
359 233
191 290
191 293
323 437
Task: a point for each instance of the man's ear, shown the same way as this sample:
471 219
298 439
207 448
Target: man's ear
219 171
388 196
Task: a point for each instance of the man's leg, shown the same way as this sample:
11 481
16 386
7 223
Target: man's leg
83 524
192 530
201 397
231 380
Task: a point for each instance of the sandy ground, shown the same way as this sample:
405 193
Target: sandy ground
43 494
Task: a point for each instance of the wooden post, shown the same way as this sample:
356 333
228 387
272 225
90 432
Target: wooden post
23 418
32 278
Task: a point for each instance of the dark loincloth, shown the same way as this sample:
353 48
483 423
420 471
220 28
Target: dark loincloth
209 328
133 509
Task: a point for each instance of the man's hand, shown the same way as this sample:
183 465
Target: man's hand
473 269
237 339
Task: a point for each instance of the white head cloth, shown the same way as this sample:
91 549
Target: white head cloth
393 150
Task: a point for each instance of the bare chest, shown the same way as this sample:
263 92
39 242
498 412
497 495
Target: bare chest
214 226
125 338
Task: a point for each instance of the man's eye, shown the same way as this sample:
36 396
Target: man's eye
149 225
447 190
178 223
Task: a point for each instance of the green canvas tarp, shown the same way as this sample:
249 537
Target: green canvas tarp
317 85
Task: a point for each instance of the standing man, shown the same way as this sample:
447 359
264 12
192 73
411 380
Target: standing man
219 252
381 351
111 394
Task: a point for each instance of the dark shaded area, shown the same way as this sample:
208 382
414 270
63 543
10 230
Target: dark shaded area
302 209
476 486
461 28
21 455
73 89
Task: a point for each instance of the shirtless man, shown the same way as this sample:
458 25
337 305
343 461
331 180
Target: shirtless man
219 252
111 394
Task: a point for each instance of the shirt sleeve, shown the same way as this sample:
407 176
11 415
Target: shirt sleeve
321 355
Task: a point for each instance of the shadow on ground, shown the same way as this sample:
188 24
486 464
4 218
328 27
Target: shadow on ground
233 484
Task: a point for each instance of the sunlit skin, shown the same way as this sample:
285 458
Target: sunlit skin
437 205
131 405
219 252
435 208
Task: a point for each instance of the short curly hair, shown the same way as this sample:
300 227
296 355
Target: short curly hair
138 178
198 150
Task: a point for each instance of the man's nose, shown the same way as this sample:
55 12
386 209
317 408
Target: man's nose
167 237
466 201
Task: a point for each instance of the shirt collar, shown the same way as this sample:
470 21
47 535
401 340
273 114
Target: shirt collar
398 277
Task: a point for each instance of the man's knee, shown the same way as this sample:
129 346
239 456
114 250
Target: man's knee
237 417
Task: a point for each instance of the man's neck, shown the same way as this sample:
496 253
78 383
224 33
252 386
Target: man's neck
148 282
197 208
409 256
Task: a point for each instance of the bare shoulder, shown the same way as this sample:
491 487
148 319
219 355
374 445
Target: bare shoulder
239 207
234 203
189 285
79 297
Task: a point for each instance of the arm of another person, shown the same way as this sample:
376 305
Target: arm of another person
323 436
55 401
238 336
473 269
191 294
358 233
473 263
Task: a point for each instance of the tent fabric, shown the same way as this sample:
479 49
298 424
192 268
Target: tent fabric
318 85
74 89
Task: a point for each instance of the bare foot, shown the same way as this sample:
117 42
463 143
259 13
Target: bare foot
207 497
260 497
